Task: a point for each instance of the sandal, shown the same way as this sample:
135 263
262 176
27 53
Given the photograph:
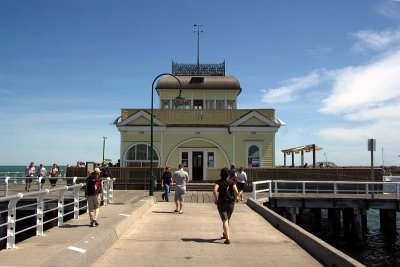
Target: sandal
176 210
228 241
180 212
223 236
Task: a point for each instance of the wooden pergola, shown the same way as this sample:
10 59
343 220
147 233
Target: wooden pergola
301 149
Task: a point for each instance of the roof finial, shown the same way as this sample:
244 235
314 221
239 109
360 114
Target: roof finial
198 45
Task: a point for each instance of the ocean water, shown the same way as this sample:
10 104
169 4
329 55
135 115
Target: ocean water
19 171
377 247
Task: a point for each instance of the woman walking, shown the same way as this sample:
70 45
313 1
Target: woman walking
225 192
241 182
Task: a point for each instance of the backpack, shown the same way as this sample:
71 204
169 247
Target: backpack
92 186
226 191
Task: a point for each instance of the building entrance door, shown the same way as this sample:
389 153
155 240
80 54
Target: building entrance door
197 171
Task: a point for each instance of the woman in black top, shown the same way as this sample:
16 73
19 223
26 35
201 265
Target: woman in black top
225 193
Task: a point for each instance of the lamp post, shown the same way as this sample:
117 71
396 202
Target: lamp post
151 178
104 145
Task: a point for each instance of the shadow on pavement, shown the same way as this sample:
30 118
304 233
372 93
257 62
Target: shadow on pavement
201 240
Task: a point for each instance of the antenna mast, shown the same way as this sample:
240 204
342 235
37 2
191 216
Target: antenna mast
198 31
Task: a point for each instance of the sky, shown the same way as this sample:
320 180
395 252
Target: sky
330 69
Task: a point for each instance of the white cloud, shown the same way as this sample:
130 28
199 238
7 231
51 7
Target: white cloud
390 9
288 93
376 40
365 87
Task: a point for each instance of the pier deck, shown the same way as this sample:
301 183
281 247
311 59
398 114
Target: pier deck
132 231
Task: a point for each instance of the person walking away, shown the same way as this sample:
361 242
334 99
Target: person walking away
180 179
29 172
54 172
105 171
41 172
92 191
225 192
166 181
233 172
241 182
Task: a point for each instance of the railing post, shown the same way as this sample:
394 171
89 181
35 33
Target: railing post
38 183
61 206
11 221
105 190
74 180
39 212
6 185
270 188
254 191
276 187
304 189
398 191
334 189
111 193
76 201
367 191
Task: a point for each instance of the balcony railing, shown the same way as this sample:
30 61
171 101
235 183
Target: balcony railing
199 116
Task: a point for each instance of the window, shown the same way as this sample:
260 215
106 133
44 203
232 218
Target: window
185 104
210 104
197 104
231 104
185 159
196 80
253 158
220 104
210 160
165 104
139 156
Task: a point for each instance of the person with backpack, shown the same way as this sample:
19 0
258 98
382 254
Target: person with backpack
225 193
94 188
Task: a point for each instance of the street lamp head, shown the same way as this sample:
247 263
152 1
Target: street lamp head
104 137
179 100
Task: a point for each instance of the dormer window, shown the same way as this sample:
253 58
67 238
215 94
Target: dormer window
196 80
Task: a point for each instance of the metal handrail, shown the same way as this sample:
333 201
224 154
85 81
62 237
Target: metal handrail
12 200
273 187
6 181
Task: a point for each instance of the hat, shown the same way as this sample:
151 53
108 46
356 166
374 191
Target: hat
97 170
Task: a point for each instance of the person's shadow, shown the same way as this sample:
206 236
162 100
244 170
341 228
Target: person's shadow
200 240
73 225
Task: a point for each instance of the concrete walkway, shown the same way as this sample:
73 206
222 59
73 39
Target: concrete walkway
137 231
165 238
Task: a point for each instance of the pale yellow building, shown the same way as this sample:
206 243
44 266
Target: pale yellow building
205 131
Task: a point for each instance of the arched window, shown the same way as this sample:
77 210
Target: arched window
253 159
139 156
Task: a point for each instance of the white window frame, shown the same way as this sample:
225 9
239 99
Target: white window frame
248 145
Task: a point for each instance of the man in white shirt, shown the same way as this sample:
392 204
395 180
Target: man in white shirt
180 178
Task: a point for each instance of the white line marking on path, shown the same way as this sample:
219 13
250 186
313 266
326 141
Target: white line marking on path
80 250
126 215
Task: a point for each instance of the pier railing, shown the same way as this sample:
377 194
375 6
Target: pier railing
133 178
367 189
43 202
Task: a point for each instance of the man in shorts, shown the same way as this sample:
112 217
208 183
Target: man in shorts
180 178
94 187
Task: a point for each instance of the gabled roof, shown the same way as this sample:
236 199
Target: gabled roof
254 118
142 117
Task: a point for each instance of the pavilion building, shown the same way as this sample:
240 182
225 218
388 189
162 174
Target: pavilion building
205 131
